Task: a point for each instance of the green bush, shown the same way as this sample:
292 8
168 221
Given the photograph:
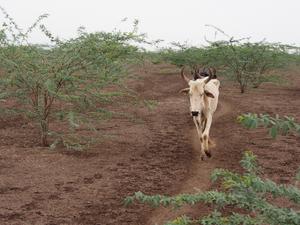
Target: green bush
192 57
247 63
275 125
247 192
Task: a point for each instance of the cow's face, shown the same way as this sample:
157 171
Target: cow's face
198 96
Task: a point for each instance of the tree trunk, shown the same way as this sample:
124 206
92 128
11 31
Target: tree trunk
44 132
240 81
242 88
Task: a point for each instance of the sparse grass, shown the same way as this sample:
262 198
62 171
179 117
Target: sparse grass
151 104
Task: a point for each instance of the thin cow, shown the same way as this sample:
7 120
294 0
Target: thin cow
204 95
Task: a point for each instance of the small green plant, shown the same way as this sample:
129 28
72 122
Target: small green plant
276 125
245 191
298 175
151 104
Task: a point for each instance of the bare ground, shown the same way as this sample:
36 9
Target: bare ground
154 151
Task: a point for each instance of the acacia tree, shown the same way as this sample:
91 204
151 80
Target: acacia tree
248 62
245 62
190 56
73 71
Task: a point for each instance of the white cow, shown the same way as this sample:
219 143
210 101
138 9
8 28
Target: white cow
204 94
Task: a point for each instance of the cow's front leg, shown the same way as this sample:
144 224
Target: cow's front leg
197 121
206 135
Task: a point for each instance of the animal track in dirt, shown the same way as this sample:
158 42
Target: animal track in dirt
29 206
6 189
54 196
11 216
88 180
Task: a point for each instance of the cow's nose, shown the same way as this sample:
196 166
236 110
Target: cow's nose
195 113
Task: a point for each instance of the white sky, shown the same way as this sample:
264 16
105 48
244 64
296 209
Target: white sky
170 20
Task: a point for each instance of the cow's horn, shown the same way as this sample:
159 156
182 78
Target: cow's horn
210 76
184 77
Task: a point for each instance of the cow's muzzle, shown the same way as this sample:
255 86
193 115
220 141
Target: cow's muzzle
195 113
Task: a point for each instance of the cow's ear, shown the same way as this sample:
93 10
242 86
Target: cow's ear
208 94
185 90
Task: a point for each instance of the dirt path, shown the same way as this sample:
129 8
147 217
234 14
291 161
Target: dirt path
198 178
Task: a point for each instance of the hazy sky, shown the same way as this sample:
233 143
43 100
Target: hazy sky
170 20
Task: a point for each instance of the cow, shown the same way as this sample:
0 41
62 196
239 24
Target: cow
203 94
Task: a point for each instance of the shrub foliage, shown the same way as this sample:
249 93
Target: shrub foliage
275 124
248 63
245 191
70 72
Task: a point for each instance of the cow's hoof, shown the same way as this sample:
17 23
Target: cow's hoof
202 157
208 154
